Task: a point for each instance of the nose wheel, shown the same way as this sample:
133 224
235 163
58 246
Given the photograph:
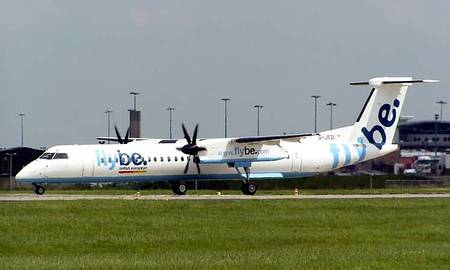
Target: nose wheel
179 188
38 189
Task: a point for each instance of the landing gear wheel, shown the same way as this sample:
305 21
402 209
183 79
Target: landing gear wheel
39 190
179 188
248 188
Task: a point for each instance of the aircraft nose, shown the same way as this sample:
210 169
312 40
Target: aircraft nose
28 173
24 173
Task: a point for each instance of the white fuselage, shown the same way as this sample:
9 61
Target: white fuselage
148 161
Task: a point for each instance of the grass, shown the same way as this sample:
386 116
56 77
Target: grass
290 234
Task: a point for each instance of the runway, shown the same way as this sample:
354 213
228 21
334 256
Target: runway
65 197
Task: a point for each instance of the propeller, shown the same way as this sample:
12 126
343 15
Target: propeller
191 148
119 138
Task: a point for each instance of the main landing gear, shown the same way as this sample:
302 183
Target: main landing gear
38 189
247 187
179 188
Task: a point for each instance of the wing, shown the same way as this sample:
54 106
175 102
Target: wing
263 139
115 139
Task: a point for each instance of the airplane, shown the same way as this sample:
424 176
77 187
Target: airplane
245 158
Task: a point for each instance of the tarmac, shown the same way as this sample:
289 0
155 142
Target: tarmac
66 197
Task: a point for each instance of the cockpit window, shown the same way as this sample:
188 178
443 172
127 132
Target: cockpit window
47 156
61 156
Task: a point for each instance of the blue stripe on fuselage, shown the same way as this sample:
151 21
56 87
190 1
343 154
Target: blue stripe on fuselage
160 178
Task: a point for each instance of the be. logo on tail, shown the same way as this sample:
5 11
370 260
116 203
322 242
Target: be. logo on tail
386 116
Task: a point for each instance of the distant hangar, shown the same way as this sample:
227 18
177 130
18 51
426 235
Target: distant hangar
427 135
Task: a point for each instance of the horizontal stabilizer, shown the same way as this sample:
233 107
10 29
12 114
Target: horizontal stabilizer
389 80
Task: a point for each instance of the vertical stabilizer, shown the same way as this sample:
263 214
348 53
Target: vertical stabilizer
377 122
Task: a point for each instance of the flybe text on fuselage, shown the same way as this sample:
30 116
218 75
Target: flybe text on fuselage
243 151
121 159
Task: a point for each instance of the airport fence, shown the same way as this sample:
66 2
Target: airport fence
316 182
415 183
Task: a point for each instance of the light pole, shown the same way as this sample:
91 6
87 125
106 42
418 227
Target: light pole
225 100
436 118
442 103
21 115
134 98
4 165
258 108
170 109
315 97
331 104
108 113
10 168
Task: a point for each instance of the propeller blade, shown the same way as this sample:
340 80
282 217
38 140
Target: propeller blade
187 165
186 134
197 163
119 138
198 167
194 137
127 135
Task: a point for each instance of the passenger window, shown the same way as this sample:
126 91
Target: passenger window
155 159
168 159
162 159
176 158
182 158
149 159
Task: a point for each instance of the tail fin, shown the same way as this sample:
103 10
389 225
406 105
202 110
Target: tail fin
378 119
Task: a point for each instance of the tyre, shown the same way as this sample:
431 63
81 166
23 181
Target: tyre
39 190
179 188
248 188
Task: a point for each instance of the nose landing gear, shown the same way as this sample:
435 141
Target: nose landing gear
38 189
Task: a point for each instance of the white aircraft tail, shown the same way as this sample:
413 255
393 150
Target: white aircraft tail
377 122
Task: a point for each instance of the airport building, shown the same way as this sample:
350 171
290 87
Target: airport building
426 142
424 135
12 160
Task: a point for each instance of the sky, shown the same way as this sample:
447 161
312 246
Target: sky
63 63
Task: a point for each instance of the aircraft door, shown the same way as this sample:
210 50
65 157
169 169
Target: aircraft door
296 162
88 165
